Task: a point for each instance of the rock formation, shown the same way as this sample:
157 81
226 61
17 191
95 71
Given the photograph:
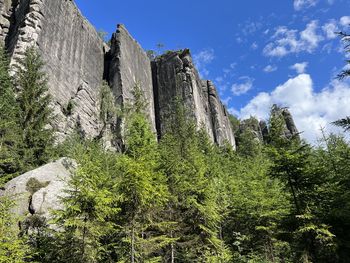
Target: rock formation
39 191
129 66
77 61
260 130
175 77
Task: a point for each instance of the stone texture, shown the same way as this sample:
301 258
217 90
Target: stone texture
174 76
253 126
72 51
77 60
222 129
130 66
53 176
290 130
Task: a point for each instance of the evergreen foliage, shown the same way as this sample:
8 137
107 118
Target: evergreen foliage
13 246
9 123
34 109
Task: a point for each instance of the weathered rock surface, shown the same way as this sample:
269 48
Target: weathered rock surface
72 51
130 66
175 77
289 130
253 126
39 191
77 61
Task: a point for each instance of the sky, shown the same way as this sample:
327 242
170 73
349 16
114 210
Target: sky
257 52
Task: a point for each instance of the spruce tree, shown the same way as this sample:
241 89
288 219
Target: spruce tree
143 188
9 128
13 246
35 113
192 203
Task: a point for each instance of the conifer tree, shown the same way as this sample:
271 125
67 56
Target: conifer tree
13 246
9 129
143 188
91 201
192 204
35 113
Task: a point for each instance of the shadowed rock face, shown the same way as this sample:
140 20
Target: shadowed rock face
290 130
175 77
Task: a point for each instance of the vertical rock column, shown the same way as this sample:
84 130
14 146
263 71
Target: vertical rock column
176 78
129 66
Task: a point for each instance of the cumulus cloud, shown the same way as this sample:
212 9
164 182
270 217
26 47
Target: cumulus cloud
345 21
245 84
286 41
303 4
299 67
202 60
330 29
311 110
270 68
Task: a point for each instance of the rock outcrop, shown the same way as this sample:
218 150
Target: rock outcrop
39 191
130 67
175 77
72 51
289 128
77 61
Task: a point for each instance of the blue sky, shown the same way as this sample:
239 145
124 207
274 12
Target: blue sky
257 52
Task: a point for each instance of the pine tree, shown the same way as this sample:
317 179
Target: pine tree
9 128
35 113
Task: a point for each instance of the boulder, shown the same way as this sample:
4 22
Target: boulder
37 192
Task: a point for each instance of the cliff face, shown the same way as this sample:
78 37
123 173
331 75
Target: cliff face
77 61
175 77
73 55
128 67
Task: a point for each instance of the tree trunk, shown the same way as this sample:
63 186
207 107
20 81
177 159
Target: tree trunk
133 243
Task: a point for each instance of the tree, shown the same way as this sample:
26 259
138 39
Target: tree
35 113
9 126
13 246
143 187
192 204
343 123
90 202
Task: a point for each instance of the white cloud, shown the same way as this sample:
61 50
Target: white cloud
299 67
254 46
345 21
286 41
202 60
270 68
311 110
303 4
330 29
246 84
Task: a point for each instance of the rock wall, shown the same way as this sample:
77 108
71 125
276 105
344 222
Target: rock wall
175 77
77 61
73 54
130 66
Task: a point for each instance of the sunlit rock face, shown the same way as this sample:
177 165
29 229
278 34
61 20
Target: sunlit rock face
77 61
175 77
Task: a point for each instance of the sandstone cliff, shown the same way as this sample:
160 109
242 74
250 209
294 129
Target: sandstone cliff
77 61
174 76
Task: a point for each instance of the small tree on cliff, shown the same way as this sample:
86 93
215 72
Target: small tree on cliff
35 112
